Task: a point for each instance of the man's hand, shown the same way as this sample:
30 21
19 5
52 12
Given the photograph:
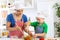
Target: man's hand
17 28
30 33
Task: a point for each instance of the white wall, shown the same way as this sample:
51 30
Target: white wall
30 13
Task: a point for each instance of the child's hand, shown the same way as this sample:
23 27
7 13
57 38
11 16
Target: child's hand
35 35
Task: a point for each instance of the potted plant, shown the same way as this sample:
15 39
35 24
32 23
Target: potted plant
57 9
57 26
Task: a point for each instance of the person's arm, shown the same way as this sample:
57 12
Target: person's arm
26 28
11 28
42 35
29 32
33 24
8 24
26 24
8 27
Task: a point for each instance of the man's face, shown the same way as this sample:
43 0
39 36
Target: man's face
40 20
19 12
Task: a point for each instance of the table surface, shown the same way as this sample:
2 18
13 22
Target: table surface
16 39
32 39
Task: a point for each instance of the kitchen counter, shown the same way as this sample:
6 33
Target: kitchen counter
11 39
15 39
32 39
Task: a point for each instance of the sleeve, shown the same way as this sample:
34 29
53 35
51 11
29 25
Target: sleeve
33 24
24 18
8 18
45 28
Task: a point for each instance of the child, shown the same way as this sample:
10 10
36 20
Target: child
40 26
